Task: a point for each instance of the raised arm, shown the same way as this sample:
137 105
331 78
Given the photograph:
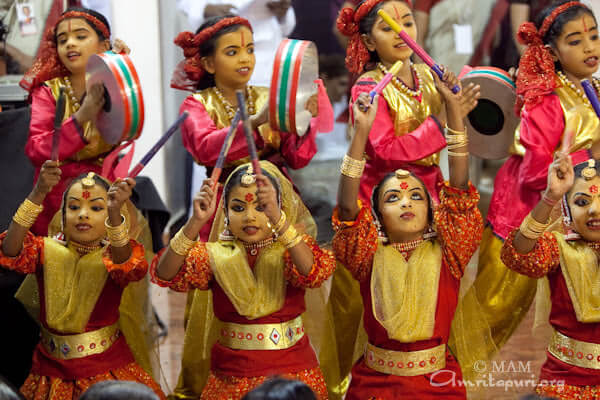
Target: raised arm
30 209
364 115
118 194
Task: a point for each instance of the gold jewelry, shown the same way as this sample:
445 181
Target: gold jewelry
249 178
455 154
294 242
406 247
277 227
590 171
567 82
117 235
230 109
455 132
352 168
83 249
402 173
71 94
287 237
88 182
401 86
27 213
181 244
253 248
532 229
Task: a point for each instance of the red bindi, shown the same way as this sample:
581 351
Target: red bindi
69 25
585 28
243 39
249 197
593 189
397 13
403 185
86 195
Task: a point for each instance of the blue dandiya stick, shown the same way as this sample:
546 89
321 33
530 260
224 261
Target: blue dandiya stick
58 117
591 95
248 132
161 142
216 173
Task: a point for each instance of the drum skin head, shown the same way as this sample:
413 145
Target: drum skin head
295 69
123 115
491 125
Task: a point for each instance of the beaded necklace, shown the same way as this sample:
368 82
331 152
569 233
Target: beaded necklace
567 82
253 248
401 86
405 248
71 94
83 249
230 109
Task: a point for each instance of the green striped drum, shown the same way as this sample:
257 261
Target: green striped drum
295 69
123 116
491 125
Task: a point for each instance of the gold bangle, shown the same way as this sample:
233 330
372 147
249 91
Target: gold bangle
352 168
181 244
27 213
452 131
532 229
277 227
117 235
455 154
294 242
288 236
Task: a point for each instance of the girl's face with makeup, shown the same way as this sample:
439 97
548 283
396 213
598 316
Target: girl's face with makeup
384 41
233 61
76 41
85 213
584 203
578 48
247 220
404 207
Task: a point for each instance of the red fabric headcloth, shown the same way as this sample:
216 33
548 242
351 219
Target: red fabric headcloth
189 72
47 65
357 54
536 69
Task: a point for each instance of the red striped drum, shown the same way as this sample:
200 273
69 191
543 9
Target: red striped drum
122 118
295 69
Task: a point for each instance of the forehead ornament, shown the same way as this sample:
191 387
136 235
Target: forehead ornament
402 173
88 182
249 178
590 171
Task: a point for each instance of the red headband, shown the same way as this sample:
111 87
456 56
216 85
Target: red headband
536 68
189 72
357 54
47 64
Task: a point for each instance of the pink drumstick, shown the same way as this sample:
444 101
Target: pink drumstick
386 79
414 46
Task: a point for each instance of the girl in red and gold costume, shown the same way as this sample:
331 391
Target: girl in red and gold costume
62 60
408 131
563 48
258 271
219 61
409 277
568 264
80 279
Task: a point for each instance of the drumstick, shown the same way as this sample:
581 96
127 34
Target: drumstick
248 132
58 117
216 173
161 142
591 95
414 46
386 79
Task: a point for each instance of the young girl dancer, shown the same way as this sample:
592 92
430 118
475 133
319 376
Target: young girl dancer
62 60
563 48
408 131
570 263
80 278
219 61
409 278
258 271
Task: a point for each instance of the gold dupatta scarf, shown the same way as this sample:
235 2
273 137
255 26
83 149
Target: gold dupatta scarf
254 294
579 266
404 294
72 286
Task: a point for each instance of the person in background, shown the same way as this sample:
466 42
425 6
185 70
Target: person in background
119 390
281 389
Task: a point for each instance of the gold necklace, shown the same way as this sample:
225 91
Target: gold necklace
567 82
401 86
230 109
83 249
253 248
71 94
405 248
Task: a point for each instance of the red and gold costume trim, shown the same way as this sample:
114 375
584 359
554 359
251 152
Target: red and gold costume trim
405 363
66 347
278 336
574 352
